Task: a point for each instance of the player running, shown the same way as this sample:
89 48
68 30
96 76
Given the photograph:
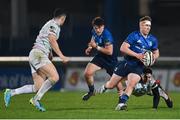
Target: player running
43 71
134 47
103 42
146 86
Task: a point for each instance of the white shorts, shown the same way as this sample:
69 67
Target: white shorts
37 59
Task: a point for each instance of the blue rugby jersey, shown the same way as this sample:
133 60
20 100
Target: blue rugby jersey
101 40
139 44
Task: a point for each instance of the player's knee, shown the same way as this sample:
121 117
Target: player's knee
55 78
88 74
35 76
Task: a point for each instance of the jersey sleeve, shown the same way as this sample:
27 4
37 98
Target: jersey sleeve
130 39
155 44
53 29
108 39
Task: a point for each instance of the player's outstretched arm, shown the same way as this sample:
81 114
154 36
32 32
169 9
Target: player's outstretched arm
55 47
156 97
166 97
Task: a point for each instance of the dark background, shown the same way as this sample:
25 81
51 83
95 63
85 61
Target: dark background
21 20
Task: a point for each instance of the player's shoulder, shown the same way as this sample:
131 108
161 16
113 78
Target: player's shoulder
152 37
52 23
106 32
134 33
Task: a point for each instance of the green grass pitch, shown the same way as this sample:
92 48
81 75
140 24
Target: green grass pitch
68 105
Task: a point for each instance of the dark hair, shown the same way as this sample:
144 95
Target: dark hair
145 18
147 70
98 21
59 12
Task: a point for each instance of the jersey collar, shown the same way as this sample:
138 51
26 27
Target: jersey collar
56 22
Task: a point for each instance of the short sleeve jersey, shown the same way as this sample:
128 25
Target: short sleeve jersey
139 44
101 40
42 41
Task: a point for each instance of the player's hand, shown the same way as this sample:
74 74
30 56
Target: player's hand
140 56
88 50
154 59
65 59
93 44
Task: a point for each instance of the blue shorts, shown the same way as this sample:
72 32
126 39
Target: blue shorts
123 69
105 64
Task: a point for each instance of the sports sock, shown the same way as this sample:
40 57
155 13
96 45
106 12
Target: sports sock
23 89
91 88
123 98
105 87
44 88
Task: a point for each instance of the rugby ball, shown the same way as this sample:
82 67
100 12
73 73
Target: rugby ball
148 59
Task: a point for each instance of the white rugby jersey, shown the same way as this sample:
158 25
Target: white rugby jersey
42 41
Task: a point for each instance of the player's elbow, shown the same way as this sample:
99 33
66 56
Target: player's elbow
122 49
110 52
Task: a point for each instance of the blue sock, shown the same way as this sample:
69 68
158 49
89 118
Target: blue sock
91 88
123 98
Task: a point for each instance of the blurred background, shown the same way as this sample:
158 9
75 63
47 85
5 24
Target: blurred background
21 21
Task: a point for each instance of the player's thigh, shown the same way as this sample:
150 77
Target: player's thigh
91 69
50 71
133 79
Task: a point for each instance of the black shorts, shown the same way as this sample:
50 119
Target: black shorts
108 65
123 69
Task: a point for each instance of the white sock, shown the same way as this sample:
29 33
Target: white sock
23 89
44 88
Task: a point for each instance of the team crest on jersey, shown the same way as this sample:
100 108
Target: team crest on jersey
150 43
52 29
139 41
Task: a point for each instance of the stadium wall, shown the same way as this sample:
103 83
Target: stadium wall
15 72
